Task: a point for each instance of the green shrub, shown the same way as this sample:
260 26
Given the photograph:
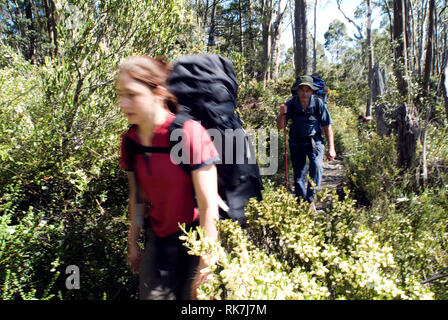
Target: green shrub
415 226
289 251
411 219
371 166
30 251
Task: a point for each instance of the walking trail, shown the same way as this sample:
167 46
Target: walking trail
333 176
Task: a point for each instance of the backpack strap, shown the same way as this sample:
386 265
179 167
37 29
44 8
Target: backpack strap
133 148
178 123
316 107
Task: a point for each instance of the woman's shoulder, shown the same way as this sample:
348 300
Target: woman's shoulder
130 132
192 125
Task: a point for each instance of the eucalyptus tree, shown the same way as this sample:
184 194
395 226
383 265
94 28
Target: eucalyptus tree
300 37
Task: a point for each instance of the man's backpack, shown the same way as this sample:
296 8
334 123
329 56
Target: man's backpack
206 88
320 84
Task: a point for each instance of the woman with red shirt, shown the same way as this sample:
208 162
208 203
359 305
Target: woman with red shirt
165 269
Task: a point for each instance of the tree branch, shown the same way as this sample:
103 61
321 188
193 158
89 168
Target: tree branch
359 36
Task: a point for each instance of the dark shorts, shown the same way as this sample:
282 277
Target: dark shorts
166 269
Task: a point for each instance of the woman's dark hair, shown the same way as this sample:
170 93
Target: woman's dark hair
153 72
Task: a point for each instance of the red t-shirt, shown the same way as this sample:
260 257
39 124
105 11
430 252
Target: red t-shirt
168 188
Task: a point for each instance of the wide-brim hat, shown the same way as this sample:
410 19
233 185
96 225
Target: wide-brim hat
303 81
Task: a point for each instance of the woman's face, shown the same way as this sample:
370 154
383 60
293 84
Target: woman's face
136 100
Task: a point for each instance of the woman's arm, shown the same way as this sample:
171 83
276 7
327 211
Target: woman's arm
205 184
136 213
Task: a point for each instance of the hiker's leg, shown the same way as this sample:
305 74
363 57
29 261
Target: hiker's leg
298 160
316 170
187 268
154 284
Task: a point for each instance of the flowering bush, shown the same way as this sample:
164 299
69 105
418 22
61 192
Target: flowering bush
289 251
411 219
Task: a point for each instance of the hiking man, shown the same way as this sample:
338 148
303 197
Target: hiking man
309 115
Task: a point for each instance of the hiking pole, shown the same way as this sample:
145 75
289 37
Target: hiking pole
286 155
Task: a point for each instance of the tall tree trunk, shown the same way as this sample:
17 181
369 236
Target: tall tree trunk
389 15
445 82
266 19
240 12
300 45
276 51
30 51
241 42
251 49
293 33
314 38
49 8
407 33
370 54
412 45
379 88
445 65
211 33
400 65
426 87
408 133
435 56
276 37
406 118
429 49
421 56
424 148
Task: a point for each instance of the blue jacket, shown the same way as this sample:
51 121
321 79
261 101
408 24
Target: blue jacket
307 123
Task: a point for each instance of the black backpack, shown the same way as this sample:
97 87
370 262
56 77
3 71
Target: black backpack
206 88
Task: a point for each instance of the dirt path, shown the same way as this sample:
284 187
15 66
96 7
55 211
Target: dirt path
333 176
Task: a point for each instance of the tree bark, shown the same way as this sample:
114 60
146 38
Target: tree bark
370 54
240 12
445 83
276 37
241 42
412 45
314 38
389 15
400 64
408 132
379 88
429 49
31 31
293 33
421 57
266 32
211 33
300 44
251 34
49 8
